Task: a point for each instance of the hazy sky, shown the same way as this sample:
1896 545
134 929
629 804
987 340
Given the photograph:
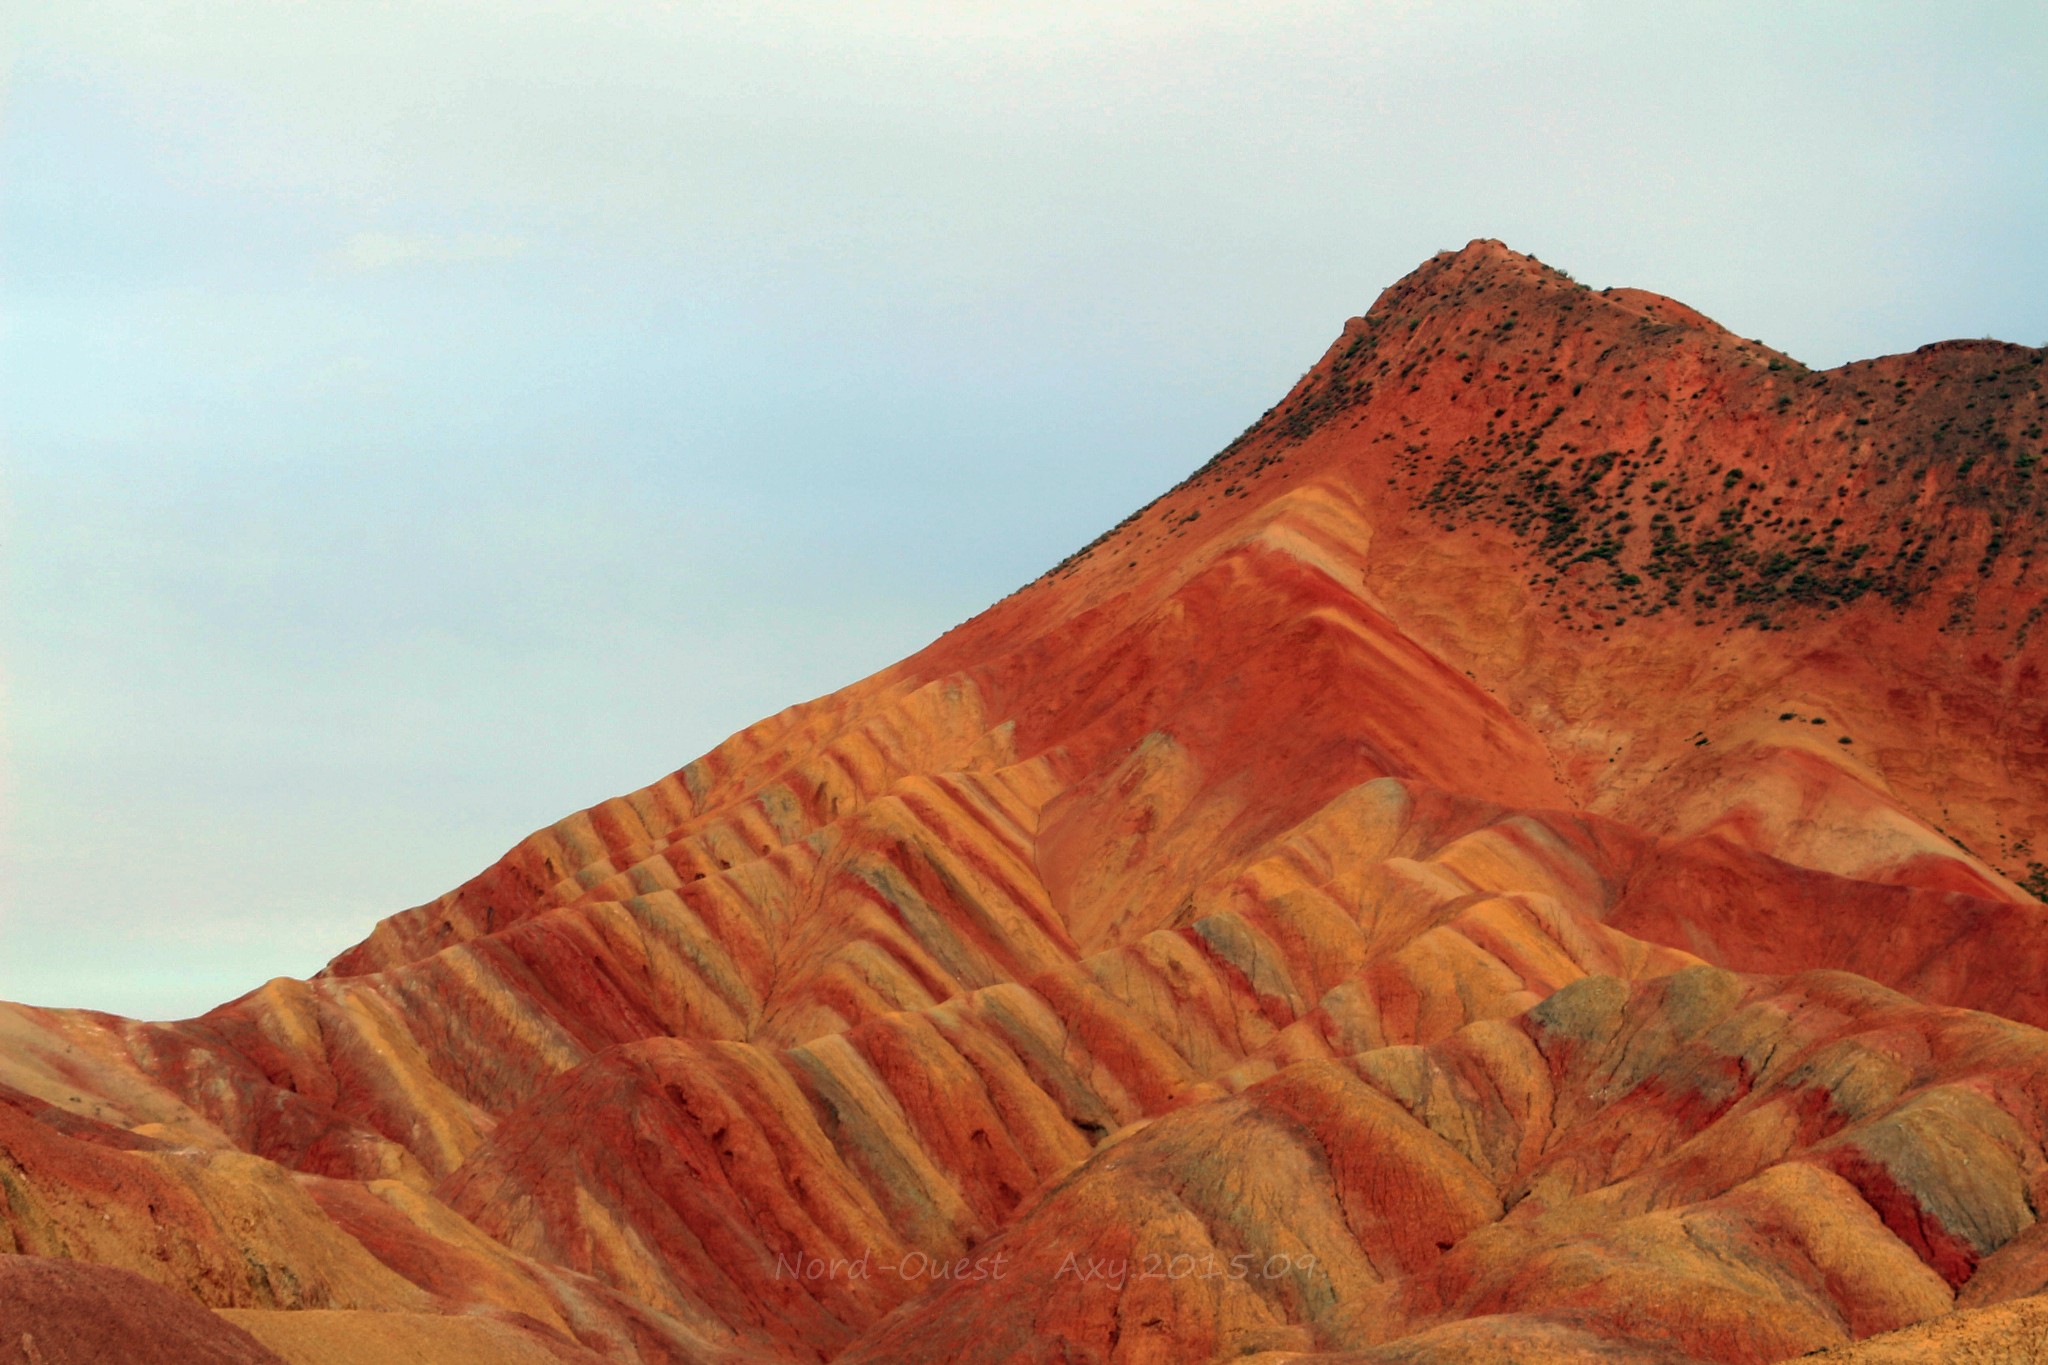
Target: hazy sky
423 420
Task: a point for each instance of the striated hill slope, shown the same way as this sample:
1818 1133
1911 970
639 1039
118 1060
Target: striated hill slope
1529 854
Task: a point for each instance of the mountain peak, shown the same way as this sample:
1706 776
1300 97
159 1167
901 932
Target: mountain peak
1648 461
1461 275
1481 252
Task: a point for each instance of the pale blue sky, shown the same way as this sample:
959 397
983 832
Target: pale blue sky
422 420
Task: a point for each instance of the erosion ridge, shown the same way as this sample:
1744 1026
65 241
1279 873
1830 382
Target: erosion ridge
1534 839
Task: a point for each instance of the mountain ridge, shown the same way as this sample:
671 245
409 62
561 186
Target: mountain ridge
1317 797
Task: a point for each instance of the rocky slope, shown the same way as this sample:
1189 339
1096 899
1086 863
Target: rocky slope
1528 855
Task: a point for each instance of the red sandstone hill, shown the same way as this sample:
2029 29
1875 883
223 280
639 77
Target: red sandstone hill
1530 854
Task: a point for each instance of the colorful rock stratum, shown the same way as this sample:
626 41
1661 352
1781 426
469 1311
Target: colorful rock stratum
1530 855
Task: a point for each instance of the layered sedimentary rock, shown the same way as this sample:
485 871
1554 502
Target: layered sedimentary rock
1530 854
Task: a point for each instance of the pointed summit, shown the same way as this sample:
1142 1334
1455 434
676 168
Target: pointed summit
1461 275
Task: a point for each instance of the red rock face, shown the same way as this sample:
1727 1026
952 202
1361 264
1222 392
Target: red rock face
1527 855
